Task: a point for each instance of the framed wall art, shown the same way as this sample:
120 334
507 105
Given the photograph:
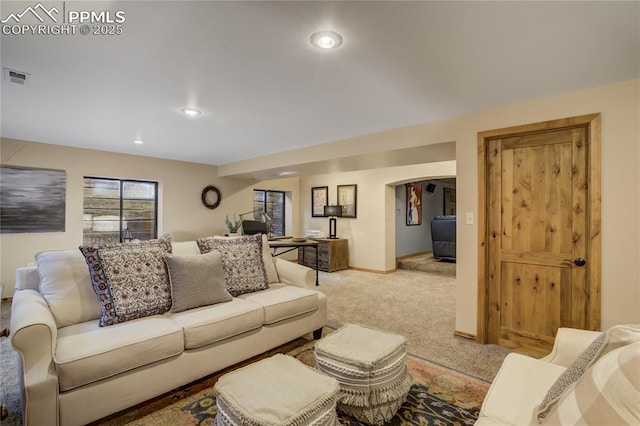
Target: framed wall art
348 199
319 199
414 204
449 207
32 200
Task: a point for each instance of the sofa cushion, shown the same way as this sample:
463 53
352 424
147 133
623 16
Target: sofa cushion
243 262
282 301
87 353
209 324
607 394
66 286
518 388
196 280
130 279
612 339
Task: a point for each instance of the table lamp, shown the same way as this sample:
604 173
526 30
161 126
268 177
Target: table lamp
332 212
267 219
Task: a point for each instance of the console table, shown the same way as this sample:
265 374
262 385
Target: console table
292 245
333 254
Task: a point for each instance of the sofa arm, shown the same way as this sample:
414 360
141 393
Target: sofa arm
33 336
295 274
27 278
570 342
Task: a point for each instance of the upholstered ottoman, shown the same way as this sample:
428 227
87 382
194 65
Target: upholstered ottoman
276 391
369 365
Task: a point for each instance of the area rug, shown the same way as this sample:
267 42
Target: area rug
439 396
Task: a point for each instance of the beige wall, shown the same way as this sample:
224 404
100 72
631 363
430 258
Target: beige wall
619 105
181 212
370 234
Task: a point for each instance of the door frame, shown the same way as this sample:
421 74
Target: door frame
592 123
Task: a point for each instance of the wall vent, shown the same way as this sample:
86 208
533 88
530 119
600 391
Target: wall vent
15 76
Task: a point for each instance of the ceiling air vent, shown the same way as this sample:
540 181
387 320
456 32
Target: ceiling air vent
14 76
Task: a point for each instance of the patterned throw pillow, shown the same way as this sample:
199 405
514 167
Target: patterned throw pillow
196 280
607 393
244 269
269 265
612 339
130 279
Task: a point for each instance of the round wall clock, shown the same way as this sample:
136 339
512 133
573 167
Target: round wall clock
211 197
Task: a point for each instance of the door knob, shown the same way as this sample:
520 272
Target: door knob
578 261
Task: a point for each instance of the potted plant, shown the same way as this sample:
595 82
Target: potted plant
232 225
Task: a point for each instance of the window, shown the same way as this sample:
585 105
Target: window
271 202
115 210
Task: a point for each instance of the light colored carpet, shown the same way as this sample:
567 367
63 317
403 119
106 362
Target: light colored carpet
426 263
418 305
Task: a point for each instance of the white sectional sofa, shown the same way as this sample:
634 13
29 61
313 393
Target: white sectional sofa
73 371
592 378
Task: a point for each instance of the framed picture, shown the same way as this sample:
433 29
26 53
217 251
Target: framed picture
414 204
32 200
449 207
319 198
348 199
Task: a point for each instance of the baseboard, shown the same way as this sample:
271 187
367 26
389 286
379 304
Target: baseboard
465 336
420 253
374 271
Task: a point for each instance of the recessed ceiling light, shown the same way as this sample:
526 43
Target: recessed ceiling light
138 142
191 112
286 173
326 39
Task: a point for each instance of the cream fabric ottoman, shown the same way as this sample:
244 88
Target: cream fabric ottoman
369 365
276 391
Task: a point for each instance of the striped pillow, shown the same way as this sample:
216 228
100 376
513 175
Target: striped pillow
610 340
607 394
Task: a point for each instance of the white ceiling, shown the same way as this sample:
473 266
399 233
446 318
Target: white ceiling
264 89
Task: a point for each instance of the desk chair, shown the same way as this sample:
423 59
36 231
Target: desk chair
251 227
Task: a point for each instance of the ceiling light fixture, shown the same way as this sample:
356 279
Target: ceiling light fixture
326 39
191 112
286 173
138 142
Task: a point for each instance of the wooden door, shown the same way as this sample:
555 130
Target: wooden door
541 267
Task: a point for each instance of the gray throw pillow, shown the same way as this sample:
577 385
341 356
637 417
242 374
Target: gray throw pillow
196 280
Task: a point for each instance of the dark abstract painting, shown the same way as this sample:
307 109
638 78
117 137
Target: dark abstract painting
32 200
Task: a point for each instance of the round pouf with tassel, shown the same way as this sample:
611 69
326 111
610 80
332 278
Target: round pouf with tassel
369 366
276 391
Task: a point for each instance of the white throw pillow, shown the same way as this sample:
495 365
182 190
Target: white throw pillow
66 286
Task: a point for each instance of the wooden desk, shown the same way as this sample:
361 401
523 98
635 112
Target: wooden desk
292 245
